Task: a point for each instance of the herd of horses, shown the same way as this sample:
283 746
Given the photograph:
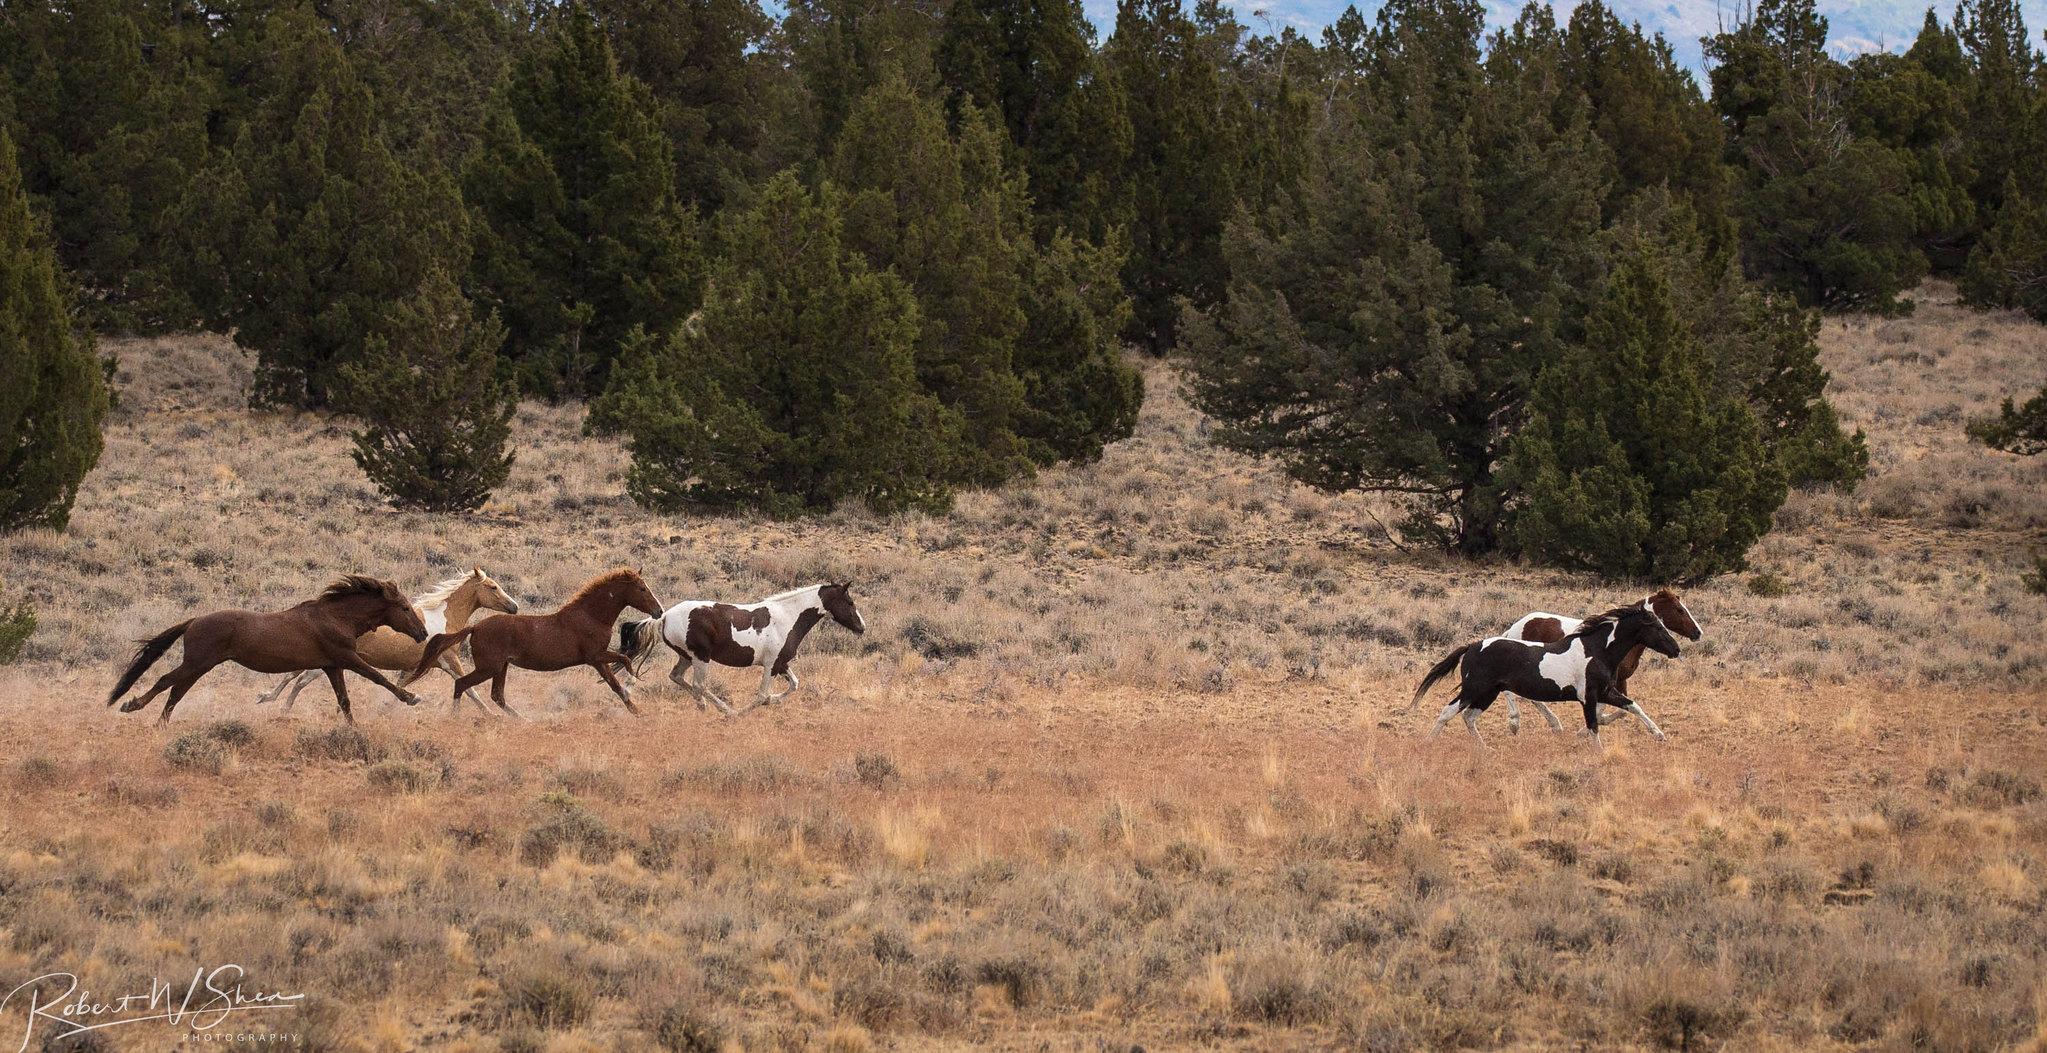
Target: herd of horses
367 626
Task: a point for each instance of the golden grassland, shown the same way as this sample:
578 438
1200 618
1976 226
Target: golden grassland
1118 763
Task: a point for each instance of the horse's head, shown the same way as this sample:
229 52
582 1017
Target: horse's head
492 595
1672 612
1648 630
637 595
838 602
385 604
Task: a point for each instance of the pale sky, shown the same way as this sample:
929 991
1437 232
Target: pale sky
1854 26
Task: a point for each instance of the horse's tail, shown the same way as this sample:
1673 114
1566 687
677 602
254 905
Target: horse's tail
636 640
146 656
1438 672
432 653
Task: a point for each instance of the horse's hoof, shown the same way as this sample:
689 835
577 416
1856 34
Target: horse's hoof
413 700
131 705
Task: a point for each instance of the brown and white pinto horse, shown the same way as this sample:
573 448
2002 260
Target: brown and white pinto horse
1544 627
577 634
764 634
1578 668
317 634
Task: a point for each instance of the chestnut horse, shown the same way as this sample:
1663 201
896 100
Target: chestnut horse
317 634
578 634
446 606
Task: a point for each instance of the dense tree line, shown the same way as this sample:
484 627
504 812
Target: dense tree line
1541 281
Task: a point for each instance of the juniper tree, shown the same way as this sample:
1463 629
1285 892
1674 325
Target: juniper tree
1825 215
794 388
53 393
1386 337
1016 341
1635 462
436 414
579 237
308 228
112 110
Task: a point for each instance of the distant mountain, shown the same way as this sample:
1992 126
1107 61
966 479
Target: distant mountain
1855 26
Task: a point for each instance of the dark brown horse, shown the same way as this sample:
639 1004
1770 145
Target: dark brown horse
317 634
578 634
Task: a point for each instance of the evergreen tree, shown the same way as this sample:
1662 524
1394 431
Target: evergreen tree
1765 347
2021 430
2009 266
436 415
693 55
1033 63
52 389
1079 394
1386 338
1179 184
1635 463
309 227
111 112
1824 215
579 236
793 389
1016 341
910 210
2003 139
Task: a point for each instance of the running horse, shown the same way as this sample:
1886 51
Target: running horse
1578 668
577 634
446 606
764 634
317 634
1544 627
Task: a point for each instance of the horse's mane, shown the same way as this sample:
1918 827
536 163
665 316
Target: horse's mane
357 585
1609 617
1665 593
437 597
794 591
609 577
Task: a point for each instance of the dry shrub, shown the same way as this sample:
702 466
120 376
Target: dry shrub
567 825
685 1029
549 999
340 744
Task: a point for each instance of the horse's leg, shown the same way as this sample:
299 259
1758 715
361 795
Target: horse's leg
1456 705
271 695
304 679
763 696
680 676
1598 680
177 681
1513 715
603 667
354 663
793 685
340 693
178 689
703 673
1550 715
1471 722
497 690
454 670
1628 705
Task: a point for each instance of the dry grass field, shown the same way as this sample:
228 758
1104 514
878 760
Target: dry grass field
1119 763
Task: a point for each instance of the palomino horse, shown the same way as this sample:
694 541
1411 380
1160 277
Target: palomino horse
317 634
1578 668
764 634
448 605
578 634
1544 627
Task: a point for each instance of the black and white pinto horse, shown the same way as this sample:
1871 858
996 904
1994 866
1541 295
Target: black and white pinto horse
1544 627
1579 668
764 634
